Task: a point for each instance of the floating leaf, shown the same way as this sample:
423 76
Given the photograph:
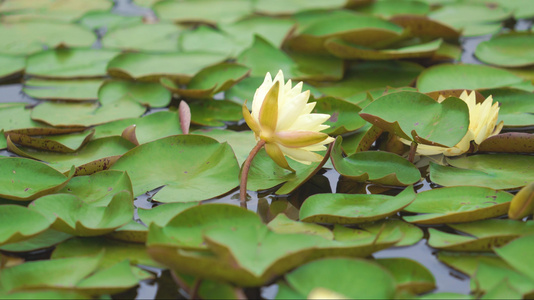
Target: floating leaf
496 171
457 205
20 223
514 254
389 8
412 234
375 166
205 11
353 209
69 63
53 10
343 115
424 27
347 50
324 273
507 50
485 234
72 215
64 143
488 278
45 239
180 67
280 7
14 115
23 38
468 77
184 164
282 224
99 19
158 37
11 65
241 141
409 275
162 214
515 106
24 179
361 140
75 90
214 112
510 142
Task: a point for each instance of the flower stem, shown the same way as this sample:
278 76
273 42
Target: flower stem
244 173
413 147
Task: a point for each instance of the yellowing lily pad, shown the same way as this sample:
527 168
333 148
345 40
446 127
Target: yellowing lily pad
485 234
24 179
353 208
58 143
185 165
69 63
458 204
70 214
496 171
375 166
347 50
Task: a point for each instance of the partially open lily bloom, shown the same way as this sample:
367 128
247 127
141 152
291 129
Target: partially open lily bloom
482 125
281 117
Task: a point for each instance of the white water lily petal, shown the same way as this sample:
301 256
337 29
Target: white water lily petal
303 156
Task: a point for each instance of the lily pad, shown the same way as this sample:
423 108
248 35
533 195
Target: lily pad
361 140
52 10
23 38
515 106
280 7
65 143
204 11
45 239
180 67
74 90
412 234
424 27
96 156
353 209
148 128
214 112
409 275
241 141
375 166
14 115
25 179
496 171
509 142
72 215
168 162
158 37
263 57
514 254
347 50
20 223
418 117
11 65
457 205
485 234
389 8
98 19
324 274
69 63
99 188
507 50
282 224
344 116
162 214
468 77
489 277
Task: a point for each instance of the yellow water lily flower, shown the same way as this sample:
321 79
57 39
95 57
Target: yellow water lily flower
281 117
482 125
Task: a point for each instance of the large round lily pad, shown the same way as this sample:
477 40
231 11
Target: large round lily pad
185 165
507 50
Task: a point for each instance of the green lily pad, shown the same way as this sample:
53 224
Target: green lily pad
14 115
99 188
20 223
369 75
24 179
145 93
208 289
409 275
69 63
65 143
113 251
168 162
282 224
361 140
148 128
324 274
514 254
485 234
353 209
205 11
132 232
520 8
99 19
416 116
162 214
158 37
360 29
263 57
23 38
346 50
96 156
375 166
507 50
67 295
51 10
489 277
496 171
411 233
280 7
11 65
390 8
72 215
458 204
45 239
468 77
215 112
515 106
180 67
210 81
241 141
467 262
265 173
74 90
344 116
472 18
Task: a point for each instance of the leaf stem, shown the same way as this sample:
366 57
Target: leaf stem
244 173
